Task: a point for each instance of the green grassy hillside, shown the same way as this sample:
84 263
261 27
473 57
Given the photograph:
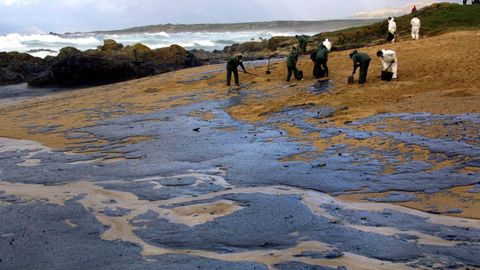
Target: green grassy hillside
436 19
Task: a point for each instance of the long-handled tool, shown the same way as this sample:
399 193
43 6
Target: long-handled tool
253 74
268 72
351 79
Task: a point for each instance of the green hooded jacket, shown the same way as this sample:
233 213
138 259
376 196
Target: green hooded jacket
292 59
234 62
303 40
360 58
322 53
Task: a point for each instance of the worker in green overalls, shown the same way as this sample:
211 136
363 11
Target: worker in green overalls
302 43
361 60
232 67
292 63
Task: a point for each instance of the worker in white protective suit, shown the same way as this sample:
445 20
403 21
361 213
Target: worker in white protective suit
327 44
416 24
389 61
392 29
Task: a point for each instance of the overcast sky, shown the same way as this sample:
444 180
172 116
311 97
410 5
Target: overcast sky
87 15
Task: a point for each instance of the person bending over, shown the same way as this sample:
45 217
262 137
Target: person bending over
362 61
232 67
389 61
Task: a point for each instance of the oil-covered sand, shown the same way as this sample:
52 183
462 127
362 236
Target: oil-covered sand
177 171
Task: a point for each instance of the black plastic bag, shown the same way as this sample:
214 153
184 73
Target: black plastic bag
298 75
390 36
386 75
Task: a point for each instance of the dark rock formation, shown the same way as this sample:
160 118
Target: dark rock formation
251 50
112 63
18 67
275 42
109 63
250 46
109 45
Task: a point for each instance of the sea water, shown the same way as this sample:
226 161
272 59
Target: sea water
41 45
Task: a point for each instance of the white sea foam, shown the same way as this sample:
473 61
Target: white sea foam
204 43
43 54
188 45
54 39
157 46
43 44
10 42
112 36
163 34
23 43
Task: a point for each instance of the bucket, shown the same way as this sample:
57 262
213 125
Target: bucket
298 75
386 75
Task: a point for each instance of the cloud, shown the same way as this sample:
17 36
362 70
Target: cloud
390 12
89 15
17 2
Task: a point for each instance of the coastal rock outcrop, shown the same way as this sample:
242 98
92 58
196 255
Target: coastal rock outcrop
251 50
111 63
109 45
18 67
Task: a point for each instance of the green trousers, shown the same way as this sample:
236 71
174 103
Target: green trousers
229 76
364 71
291 70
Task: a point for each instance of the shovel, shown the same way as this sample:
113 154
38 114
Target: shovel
268 72
351 79
252 74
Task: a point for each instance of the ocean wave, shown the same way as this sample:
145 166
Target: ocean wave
85 41
226 42
113 36
163 34
10 42
157 46
197 43
187 44
43 54
204 43
58 39
17 41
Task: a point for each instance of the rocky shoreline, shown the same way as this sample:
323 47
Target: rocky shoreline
113 62
175 172
109 63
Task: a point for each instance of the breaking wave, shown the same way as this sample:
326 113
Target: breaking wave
50 44
163 34
18 42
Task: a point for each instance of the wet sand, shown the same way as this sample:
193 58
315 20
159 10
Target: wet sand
178 170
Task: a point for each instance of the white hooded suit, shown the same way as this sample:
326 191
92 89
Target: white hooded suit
389 58
392 27
416 24
327 44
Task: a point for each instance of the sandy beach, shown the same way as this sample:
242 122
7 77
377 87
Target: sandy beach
181 171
